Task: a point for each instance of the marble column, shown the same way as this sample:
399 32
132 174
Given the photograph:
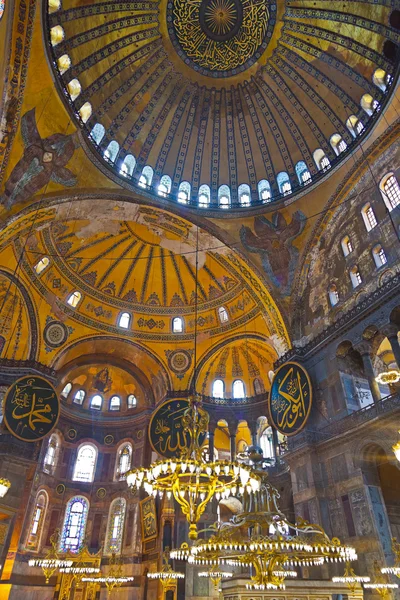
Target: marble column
370 374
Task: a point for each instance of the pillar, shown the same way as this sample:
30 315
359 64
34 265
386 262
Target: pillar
369 372
211 436
275 442
232 437
394 343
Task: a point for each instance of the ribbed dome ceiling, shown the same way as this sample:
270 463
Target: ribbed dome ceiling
223 92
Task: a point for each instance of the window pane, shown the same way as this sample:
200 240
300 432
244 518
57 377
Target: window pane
238 389
218 388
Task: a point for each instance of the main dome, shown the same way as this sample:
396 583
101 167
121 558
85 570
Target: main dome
222 104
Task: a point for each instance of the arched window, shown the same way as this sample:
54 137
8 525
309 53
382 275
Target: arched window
302 172
267 443
354 125
382 79
115 403
115 527
204 196
37 520
74 89
258 386
238 389
244 194
146 177
333 294
264 191
218 388
390 189
132 401
283 182
97 133
369 105
164 186
369 217
124 461
79 397
338 144
96 402
184 192
85 463
74 299
85 112
223 314
56 35
73 531
111 152
321 160
63 63
347 246
124 320
41 265
379 256
51 456
355 276
177 325
66 390
128 166
224 196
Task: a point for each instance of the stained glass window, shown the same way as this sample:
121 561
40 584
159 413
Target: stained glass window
115 526
85 463
124 460
73 531
38 515
50 459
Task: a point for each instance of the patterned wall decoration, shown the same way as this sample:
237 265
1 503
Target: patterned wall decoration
179 361
55 333
148 518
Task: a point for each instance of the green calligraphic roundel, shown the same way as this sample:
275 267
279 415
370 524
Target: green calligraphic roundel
290 399
31 408
166 433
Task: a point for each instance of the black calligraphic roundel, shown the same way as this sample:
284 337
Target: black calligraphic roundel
166 433
290 399
31 408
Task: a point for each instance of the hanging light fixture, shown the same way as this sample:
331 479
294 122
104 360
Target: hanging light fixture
395 570
52 560
350 578
113 579
216 576
380 583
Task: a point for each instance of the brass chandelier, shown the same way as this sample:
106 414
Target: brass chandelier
190 478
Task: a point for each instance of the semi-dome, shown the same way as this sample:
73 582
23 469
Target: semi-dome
222 103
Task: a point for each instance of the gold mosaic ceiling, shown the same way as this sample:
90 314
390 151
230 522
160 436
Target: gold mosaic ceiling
221 92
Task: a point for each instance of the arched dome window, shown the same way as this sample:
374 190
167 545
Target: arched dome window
244 194
164 187
355 276
85 112
333 294
238 390
223 314
369 217
63 63
85 463
382 79
321 160
74 89
96 402
354 125
73 531
283 182
97 133
224 196
74 299
111 152
184 192
42 265
347 246
37 520
115 403
115 526
51 456
128 166
124 461
146 177
124 320
177 325
218 388
302 172
204 196
338 144
132 401
390 190
66 390
379 256
56 35
369 104
264 191
79 397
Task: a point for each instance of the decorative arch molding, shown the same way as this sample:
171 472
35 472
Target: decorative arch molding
361 446
32 313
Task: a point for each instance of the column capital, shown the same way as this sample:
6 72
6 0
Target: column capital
390 330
